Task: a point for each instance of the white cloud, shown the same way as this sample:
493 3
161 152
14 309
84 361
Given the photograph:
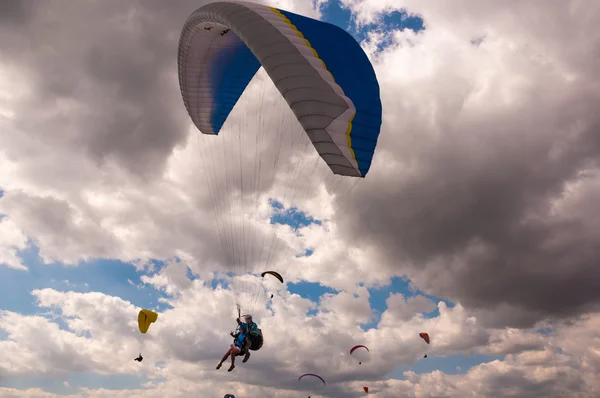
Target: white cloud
80 192
12 240
180 350
403 309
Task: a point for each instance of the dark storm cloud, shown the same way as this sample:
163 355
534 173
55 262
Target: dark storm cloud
13 12
466 201
104 82
116 59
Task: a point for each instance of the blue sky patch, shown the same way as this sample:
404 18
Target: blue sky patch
312 312
310 290
293 217
56 317
379 295
106 276
190 274
335 13
217 281
306 253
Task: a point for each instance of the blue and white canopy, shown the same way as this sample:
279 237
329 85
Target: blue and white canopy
320 70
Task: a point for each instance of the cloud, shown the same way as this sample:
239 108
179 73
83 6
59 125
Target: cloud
405 308
474 186
180 351
129 193
482 192
12 240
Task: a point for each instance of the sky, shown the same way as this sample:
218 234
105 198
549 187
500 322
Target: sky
477 222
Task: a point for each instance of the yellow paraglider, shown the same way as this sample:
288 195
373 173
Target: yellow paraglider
145 318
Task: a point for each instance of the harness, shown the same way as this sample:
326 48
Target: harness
256 340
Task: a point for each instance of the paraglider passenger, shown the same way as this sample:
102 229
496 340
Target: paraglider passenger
251 330
235 349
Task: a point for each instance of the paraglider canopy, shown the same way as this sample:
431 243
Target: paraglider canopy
145 318
312 376
360 353
336 108
339 107
275 274
313 380
366 389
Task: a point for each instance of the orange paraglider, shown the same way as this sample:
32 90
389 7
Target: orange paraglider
425 336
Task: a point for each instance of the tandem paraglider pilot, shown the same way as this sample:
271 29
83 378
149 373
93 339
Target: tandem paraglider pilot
247 337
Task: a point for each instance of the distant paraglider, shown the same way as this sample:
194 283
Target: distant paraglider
425 336
275 274
366 389
360 353
311 377
145 319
